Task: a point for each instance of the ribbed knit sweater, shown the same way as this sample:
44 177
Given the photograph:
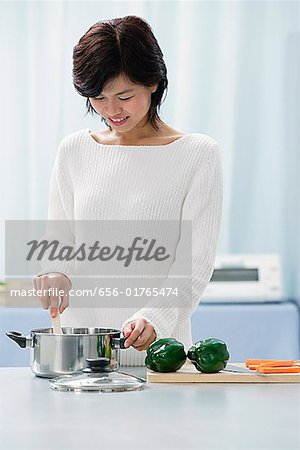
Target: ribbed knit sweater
180 181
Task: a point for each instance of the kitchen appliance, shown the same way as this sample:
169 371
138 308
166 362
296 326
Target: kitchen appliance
245 278
53 355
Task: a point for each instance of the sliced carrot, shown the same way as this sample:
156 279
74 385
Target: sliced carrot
251 362
278 364
270 362
292 369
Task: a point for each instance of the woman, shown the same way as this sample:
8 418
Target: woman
140 169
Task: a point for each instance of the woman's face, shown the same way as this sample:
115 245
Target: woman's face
121 99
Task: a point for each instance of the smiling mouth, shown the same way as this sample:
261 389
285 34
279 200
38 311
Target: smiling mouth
118 121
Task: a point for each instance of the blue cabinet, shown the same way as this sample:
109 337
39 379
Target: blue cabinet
264 330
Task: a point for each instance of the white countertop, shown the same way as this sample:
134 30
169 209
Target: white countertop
161 416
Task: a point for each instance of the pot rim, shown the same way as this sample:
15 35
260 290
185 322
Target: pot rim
91 331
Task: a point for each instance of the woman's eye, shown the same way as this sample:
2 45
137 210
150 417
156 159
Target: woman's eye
123 99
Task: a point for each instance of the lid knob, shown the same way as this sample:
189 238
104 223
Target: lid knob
97 365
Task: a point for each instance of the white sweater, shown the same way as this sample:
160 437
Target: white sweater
180 181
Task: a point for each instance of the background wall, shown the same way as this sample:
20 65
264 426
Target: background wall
233 74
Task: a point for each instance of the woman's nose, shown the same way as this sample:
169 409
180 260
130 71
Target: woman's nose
113 113
113 110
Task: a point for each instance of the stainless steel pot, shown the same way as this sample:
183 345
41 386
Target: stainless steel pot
53 355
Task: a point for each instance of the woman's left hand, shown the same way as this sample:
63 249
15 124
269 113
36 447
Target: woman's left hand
139 333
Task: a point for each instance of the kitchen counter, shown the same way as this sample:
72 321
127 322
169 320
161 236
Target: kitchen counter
160 417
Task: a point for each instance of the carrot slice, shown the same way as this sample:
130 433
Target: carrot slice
270 362
292 369
251 362
278 364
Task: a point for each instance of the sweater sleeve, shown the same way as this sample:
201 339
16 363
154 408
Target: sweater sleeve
202 206
60 214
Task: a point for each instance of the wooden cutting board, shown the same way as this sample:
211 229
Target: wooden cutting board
189 374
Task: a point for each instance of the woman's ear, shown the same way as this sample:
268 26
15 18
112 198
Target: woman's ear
153 88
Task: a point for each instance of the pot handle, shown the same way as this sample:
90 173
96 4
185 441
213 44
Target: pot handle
21 340
119 343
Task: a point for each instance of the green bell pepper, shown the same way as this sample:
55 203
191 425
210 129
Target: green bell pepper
165 355
209 356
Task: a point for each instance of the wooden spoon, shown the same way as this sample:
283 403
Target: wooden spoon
56 325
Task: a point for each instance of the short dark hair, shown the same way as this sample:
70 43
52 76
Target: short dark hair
124 45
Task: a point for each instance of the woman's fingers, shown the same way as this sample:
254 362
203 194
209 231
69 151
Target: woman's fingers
146 338
145 346
139 333
48 298
37 283
44 286
51 285
54 302
143 338
55 284
139 326
128 328
64 302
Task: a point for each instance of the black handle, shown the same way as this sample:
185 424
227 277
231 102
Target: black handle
119 342
122 342
17 337
97 365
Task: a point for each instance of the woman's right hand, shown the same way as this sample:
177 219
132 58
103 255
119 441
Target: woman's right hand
50 284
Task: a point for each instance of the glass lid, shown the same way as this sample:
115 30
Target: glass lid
97 377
